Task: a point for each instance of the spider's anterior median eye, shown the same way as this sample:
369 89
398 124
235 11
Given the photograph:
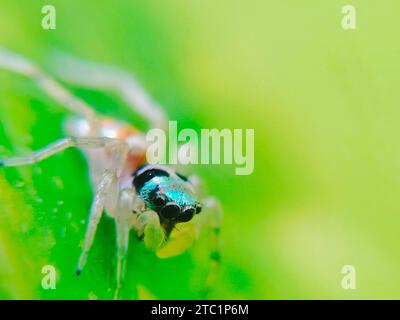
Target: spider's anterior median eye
170 211
187 215
159 200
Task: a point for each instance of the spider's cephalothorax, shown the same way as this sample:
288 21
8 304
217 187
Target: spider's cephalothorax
168 193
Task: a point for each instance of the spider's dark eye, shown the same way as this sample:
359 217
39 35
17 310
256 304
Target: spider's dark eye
187 215
198 208
159 200
170 211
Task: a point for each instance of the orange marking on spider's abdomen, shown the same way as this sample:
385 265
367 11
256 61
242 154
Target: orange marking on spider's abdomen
119 129
124 131
134 161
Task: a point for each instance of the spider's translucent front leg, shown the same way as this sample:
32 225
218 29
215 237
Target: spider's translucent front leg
146 223
95 216
19 64
106 197
61 145
107 188
123 224
96 75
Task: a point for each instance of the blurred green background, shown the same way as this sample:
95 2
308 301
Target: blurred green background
324 104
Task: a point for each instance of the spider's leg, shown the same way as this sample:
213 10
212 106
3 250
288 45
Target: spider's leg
19 64
95 216
107 189
62 144
123 223
96 75
106 197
